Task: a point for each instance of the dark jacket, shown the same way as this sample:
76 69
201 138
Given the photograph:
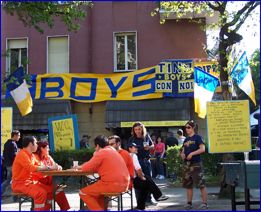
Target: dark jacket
9 153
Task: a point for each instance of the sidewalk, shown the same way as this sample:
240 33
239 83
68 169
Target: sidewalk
176 201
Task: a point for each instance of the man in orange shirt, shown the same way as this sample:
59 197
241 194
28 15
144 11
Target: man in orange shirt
115 141
114 175
22 182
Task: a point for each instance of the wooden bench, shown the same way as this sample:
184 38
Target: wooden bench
116 197
23 198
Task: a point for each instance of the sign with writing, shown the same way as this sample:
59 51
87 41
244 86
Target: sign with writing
156 123
6 124
228 126
135 85
175 77
63 132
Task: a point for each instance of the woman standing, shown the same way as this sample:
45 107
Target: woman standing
159 154
43 157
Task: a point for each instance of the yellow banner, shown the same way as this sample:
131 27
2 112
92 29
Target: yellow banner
97 87
157 123
228 126
6 124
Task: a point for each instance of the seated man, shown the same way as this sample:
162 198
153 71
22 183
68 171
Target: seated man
115 141
114 175
142 182
24 164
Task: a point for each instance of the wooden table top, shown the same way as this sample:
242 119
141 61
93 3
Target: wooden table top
66 172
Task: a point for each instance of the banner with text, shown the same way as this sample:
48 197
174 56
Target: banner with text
63 132
228 126
6 124
173 78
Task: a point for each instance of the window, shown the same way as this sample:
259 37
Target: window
125 52
16 55
58 55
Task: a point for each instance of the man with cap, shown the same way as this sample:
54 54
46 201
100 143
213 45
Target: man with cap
142 182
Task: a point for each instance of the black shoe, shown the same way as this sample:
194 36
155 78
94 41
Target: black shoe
163 197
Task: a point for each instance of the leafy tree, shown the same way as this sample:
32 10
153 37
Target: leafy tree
229 22
33 14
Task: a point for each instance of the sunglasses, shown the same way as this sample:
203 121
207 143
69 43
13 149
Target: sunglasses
188 127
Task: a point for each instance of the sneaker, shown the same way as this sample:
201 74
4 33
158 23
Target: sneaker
203 206
161 177
151 203
162 198
188 206
157 177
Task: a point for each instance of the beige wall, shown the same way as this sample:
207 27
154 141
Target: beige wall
93 123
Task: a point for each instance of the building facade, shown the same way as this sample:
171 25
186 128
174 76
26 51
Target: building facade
115 37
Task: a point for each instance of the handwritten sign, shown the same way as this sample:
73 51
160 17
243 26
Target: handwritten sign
6 124
63 133
228 126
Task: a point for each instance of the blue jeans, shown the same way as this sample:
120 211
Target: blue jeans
159 165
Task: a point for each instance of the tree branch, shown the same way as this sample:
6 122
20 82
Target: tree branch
247 6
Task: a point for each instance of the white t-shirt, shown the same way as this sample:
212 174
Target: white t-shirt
136 163
181 140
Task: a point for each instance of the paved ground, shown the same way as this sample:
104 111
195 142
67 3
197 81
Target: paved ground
176 201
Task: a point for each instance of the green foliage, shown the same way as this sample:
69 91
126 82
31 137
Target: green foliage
174 161
231 17
65 158
36 13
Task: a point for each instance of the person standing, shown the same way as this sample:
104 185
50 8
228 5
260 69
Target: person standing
24 165
9 154
113 172
159 155
181 137
170 140
192 148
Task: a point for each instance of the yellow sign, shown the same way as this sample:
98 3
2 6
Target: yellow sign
156 123
6 124
228 126
63 134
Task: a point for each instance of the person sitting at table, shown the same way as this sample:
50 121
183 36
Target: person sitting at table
115 142
22 182
43 157
143 182
114 175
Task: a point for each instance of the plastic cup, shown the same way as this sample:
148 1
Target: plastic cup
75 163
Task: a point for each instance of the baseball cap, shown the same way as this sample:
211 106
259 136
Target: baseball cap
132 145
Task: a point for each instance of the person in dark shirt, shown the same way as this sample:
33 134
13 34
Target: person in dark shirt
192 147
171 140
9 153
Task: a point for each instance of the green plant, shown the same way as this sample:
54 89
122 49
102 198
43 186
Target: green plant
65 158
174 162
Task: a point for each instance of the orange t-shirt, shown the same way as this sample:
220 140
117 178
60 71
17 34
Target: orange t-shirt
23 166
38 176
129 163
110 166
